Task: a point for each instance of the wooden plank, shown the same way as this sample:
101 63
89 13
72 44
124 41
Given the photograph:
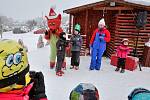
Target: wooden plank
125 21
126 27
70 22
128 24
112 8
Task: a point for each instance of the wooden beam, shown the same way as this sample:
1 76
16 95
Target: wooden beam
70 23
112 8
74 22
86 25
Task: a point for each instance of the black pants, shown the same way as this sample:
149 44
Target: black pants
75 58
121 63
60 60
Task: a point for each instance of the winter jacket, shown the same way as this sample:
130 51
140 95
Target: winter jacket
104 31
61 46
122 51
76 42
35 90
19 94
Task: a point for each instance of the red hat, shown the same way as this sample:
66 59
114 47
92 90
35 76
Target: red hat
52 14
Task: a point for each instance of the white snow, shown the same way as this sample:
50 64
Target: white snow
77 3
142 2
110 84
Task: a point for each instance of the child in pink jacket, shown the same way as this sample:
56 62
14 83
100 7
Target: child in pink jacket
122 53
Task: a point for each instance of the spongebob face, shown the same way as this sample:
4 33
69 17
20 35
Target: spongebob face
13 63
13 58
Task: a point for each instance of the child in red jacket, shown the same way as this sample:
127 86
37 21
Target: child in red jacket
122 52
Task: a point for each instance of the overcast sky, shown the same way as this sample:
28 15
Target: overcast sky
28 9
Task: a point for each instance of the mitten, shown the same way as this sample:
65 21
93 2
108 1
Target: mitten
46 32
38 90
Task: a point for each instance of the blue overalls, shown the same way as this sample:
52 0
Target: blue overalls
98 48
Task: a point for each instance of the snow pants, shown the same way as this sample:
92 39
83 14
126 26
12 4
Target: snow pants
96 56
75 58
121 63
60 60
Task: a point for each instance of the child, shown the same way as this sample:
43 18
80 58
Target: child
40 43
76 43
122 52
61 48
16 81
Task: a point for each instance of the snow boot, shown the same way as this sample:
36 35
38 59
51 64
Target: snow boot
58 73
62 72
76 67
72 67
117 69
122 71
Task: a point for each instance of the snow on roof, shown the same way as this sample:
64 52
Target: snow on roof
142 2
77 3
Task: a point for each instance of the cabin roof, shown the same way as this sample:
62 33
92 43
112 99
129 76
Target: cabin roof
141 4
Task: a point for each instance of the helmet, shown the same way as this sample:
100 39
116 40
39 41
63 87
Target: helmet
14 66
77 27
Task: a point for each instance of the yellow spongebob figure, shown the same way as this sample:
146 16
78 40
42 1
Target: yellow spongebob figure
14 66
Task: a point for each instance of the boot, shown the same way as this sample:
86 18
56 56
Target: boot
76 68
122 71
72 67
58 73
117 69
61 72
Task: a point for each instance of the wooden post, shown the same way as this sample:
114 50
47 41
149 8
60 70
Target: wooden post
86 28
70 23
74 22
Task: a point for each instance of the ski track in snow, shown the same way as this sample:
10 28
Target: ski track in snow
110 84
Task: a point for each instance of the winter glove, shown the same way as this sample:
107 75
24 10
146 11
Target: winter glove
47 36
46 32
38 90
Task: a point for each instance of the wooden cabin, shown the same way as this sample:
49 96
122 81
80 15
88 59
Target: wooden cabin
120 17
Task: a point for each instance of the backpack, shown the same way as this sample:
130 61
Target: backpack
84 91
17 94
139 94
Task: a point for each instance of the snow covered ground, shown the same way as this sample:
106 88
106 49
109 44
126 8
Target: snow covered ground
111 85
